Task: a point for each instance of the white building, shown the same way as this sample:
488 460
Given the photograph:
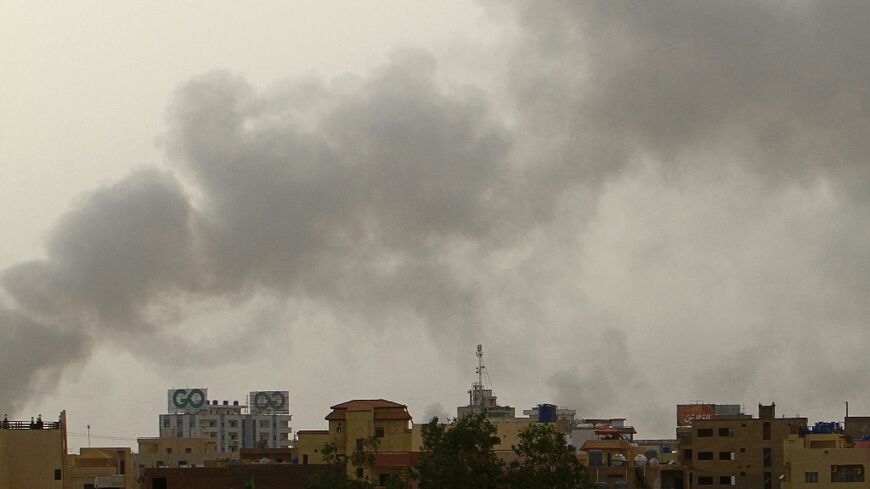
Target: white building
264 422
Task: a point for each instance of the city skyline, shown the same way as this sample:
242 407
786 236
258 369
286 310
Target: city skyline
630 205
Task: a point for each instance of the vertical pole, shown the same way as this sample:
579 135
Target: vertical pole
480 376
89 436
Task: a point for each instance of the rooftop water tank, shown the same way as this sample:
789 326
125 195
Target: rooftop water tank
546 413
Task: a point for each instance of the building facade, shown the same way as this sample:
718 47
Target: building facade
262 423
353 425
103 467
737 450
33 453
825 458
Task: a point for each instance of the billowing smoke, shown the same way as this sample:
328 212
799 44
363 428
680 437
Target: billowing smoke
662 202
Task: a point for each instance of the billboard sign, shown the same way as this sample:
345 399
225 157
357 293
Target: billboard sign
186 400
687 413
269 402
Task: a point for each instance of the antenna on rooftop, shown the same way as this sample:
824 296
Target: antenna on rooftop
480 368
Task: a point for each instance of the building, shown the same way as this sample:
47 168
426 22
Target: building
587 429
104 467
614 461
177 452
262 423
737 450
265 476
824 457
481 399
353 426
33 453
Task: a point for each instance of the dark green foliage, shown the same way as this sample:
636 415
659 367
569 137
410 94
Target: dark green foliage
546 462
459 455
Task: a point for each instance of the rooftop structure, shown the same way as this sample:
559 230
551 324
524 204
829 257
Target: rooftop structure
263 422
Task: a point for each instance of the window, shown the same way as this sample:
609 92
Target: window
705 455
58 475
168 451
725 432
768 480
726 455
338 428
159 463
158 483
687 454
742 450
360 472
847 473
182 463
305 459
705 432
379 432
234 424
768 457
765 431
726 480
705 481
188 450
811 477
359 444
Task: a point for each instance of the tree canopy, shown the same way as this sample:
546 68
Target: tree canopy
460 455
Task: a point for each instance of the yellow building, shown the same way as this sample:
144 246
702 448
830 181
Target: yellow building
178 452
822 461
352 425
33 456
102 467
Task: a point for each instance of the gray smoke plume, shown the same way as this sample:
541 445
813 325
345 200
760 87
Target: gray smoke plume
689 177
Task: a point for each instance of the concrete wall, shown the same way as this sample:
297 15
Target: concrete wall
29 458
172 451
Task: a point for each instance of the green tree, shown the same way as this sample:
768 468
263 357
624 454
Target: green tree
546 461
460 455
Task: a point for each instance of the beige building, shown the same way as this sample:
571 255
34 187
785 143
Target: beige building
737 450
351 425
178 452
824 461
33 456
105 467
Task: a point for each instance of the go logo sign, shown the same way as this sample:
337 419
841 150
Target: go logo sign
195 398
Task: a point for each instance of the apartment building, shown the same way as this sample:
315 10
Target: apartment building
264 422
824 457
737 451
351 425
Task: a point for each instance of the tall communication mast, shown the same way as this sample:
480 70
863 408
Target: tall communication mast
480 368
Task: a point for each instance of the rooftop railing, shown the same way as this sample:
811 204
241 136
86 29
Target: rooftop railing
28 425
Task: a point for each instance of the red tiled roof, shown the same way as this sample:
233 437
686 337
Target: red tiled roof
382 409
367 404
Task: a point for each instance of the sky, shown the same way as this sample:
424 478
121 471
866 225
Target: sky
630 205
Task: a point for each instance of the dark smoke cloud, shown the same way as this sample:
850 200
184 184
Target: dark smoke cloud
689 177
